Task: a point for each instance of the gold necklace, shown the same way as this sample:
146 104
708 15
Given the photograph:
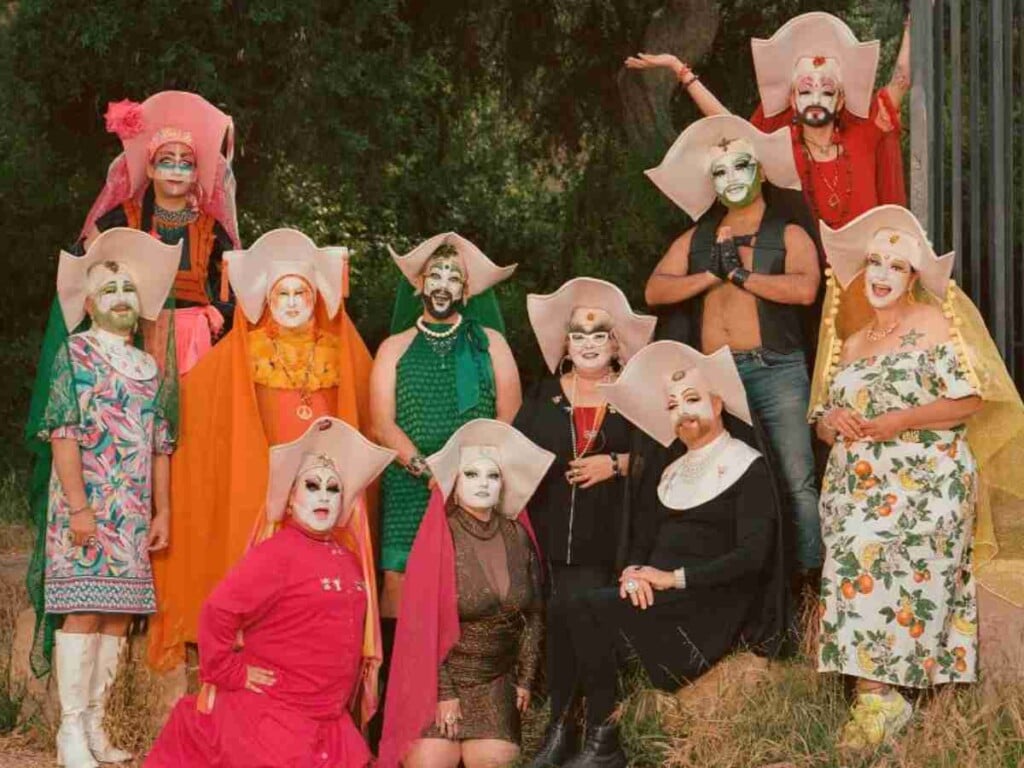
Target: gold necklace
304 410
877 334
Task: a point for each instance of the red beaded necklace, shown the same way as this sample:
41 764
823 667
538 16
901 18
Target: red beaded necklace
839 199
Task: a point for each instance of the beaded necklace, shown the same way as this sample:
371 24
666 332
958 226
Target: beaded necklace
838 200
304 410
598 418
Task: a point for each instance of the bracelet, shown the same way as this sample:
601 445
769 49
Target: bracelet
739 276
687 83
417 467
84 508
616 472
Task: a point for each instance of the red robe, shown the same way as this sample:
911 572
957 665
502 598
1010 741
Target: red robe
300 603
869 175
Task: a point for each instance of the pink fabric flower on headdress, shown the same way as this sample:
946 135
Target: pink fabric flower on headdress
124 118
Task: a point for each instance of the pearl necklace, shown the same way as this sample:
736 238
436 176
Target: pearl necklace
696 467
422 326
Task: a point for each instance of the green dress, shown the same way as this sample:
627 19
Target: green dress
427 410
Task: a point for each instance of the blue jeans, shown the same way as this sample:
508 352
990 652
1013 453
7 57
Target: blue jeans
779 391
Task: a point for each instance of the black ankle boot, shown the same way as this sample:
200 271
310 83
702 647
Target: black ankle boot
561 741
600 749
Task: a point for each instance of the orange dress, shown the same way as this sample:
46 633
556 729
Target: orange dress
219 472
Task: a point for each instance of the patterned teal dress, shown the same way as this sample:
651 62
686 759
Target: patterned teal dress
427 409
115 420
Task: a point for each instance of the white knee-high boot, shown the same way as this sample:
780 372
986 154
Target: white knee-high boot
108 655
75 657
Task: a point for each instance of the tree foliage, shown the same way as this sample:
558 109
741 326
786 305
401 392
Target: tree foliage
365 122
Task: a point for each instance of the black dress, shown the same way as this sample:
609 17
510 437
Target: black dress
582 535
729 549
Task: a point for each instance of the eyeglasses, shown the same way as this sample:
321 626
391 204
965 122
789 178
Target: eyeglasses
597 338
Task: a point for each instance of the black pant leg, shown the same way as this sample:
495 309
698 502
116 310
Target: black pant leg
567 583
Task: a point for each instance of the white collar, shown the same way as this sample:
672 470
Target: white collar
699 476
123 356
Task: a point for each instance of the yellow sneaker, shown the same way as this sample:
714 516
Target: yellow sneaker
875 718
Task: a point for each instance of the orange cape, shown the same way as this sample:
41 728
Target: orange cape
219 478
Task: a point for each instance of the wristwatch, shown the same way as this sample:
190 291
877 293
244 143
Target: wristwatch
739 276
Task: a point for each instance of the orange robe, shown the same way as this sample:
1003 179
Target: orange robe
219 471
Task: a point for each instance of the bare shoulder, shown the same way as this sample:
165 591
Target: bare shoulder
496 339
854 345
929 320
394 346
796 236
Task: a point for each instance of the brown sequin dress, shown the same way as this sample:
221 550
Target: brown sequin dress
500 623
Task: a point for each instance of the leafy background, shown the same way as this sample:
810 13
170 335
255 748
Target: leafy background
366 122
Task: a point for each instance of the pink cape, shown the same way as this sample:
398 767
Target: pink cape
428 628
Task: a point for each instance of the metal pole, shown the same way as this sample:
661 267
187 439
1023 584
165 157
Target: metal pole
974 135
997 176
956 121
921 132
936 121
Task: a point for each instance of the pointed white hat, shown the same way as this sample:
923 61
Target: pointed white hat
816 35
685 173
890 229
483 273
152 265
254 271
523 463
549 315
640 392
327 441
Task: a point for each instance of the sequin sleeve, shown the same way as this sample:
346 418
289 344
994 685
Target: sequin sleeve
533 631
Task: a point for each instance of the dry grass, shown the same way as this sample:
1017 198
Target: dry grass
792 719
788 717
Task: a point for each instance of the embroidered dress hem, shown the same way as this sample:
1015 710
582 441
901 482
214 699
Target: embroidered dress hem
100 595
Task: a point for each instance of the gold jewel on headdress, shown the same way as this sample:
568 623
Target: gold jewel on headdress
169 135
894 238
318 461
724 144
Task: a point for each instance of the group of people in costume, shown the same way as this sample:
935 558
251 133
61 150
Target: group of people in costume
209 428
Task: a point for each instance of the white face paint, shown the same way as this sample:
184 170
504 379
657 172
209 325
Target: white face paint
590 341
691 405
735 176
816 98
173 168
479 483
886 279
291 302
443 286
316 499
114 299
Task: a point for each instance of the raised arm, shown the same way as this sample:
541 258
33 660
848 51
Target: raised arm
799 284
705 100
669 283
899 83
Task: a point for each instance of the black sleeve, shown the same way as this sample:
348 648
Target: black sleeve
215 274
647 460
755 534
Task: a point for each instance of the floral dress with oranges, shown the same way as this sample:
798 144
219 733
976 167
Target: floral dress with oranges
898 600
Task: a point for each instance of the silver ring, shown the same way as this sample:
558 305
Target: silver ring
92 541
631 586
